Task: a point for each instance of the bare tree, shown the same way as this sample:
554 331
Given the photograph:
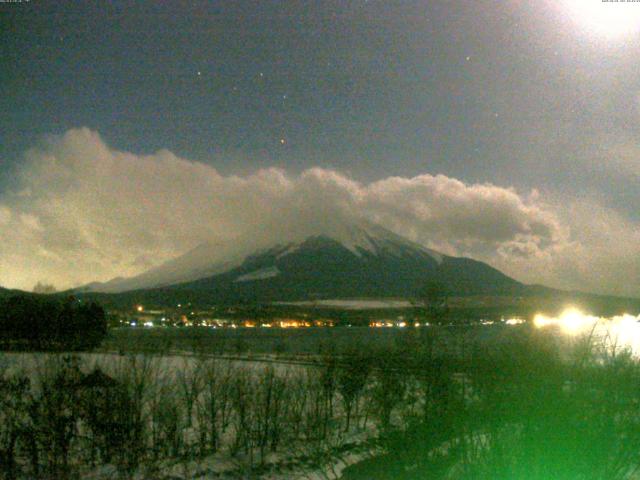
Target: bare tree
351 379
138 378
213 405
298 402
54 414
242 395
14 400
167 422
388 389
190 382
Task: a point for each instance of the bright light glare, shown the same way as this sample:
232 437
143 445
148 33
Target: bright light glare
514 321
611 19
622 331
572 321
541 321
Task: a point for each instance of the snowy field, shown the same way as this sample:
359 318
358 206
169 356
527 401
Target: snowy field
200 414
183 417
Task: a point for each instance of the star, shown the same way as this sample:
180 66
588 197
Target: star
199 73
468 58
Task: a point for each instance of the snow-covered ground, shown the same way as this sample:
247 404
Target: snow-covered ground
294 458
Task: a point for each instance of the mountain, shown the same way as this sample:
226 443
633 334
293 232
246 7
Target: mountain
353 261
203 261
321 267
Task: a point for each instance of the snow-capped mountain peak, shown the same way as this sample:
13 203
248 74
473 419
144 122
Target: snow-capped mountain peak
209 259
375 240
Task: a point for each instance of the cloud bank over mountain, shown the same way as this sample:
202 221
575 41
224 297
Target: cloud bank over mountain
81 211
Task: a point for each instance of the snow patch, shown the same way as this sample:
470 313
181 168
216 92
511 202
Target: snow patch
368 237
261 274
292 248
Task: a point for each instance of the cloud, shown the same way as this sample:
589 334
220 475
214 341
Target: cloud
460 217
82 211
603 254
5 215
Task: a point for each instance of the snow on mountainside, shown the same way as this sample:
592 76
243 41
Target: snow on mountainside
377 240
361 265
203 261
261 274
210 259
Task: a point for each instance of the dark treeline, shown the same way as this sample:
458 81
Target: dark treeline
38 322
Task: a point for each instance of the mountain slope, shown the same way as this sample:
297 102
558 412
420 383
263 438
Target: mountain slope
210 259
203 261
353 262
321 267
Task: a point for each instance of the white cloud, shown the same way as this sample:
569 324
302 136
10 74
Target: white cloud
5 215
92 213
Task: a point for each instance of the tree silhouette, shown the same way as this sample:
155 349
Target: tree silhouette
50 323
433 298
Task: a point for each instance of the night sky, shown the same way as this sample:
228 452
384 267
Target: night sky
539 100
